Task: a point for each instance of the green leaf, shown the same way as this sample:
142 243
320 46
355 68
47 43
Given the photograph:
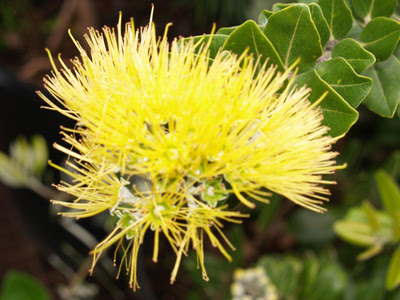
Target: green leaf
329 284
372 216
249 36
359 58
355 31
41 156
388 191
294 35
229 30
357 214
380 37
284 273
355 232
11 173
393 274
21 153
263 17
396 227
217 42
279 6
369 9
338 16
385 93
341 77
226 30
308 276
22 286
338 114
320 22
370 252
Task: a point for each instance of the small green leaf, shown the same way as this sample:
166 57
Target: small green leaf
249 36
355 233
338 114
41 156
393 273
320 22
213 191
370 252
264 16
385 93
369 9
372 216
22 286
11 173
359 58
338 16
21 153
388 191
294 35
380 37
341 77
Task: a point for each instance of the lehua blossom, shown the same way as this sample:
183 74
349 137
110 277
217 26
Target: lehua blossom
166 137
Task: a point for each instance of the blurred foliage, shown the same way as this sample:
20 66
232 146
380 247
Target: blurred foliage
18 285
26 163
376 229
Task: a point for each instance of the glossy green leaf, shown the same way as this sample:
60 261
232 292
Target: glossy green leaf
320 22
217 42
369 9
249 36
226 30
380 37
294 35
279 6
338 114
393 274
263 17
389 192
359 58
338 73
385 93
338 16
229 30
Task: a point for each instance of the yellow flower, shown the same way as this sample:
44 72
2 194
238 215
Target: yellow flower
164 136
